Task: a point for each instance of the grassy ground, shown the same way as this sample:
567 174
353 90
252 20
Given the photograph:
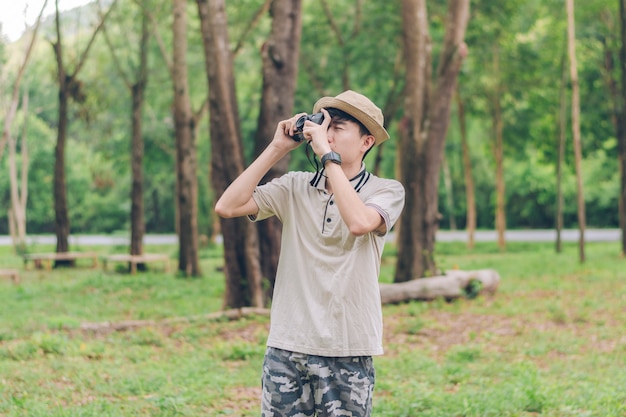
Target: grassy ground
551 342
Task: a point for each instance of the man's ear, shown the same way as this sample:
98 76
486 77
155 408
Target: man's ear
369 142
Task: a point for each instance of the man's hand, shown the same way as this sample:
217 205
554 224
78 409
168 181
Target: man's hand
317 135
283 137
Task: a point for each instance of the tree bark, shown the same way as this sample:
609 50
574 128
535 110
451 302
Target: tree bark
621 137
137 224
498 151
19 186
19 195
241 248
423 132
561 156
280 55
470 193
447 180
187 195
571 36
69 87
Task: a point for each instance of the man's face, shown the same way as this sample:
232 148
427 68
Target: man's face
345 138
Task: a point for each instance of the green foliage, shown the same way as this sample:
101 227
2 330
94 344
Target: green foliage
360 49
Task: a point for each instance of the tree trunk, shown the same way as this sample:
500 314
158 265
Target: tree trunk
187 196
19 188
137 226
8 121
280 69
470 193
62 221
498 151
447 180
561 156
19 197
69 87
571 36
241 247
621 137
423 132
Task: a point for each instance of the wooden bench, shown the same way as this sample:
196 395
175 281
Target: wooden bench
133 260
12 274
44 260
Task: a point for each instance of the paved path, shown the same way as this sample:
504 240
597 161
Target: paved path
591 235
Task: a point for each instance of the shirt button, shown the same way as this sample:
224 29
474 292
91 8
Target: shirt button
328 220
332 202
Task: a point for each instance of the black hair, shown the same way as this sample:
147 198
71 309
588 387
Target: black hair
340 115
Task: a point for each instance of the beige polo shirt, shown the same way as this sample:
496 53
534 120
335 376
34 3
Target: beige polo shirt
326 297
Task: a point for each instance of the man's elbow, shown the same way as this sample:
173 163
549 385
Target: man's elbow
223 210
359 229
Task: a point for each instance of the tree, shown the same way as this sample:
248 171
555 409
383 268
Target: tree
571 47
241 247
423 132
498 150
470 195
184 121
70 87
19 189
621 137
19 193
280 69
137 87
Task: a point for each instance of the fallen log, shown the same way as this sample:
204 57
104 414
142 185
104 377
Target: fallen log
454 284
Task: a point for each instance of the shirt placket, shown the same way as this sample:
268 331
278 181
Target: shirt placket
331 217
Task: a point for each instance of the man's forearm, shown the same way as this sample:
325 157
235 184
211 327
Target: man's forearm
239 192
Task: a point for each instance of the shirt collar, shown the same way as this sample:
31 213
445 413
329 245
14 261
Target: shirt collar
358 181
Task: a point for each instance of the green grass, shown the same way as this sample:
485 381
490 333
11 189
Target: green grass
550 342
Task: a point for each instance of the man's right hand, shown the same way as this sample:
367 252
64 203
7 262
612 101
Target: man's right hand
283 137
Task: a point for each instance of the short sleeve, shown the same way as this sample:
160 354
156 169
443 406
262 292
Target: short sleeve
271 197
388 200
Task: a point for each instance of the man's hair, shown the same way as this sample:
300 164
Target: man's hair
342 116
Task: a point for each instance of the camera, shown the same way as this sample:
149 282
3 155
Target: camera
318 118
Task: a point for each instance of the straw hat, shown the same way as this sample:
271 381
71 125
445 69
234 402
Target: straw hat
359 107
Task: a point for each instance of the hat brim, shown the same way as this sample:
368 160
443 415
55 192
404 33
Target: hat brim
379 132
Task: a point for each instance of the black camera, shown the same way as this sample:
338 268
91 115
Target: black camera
318 118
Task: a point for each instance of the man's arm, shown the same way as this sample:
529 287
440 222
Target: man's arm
237 200
359 218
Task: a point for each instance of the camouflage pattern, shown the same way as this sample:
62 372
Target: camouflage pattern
301 385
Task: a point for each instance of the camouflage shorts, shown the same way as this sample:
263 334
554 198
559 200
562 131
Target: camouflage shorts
300 385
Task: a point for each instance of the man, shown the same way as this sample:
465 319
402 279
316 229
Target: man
326 320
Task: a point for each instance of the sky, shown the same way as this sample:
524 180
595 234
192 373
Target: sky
16 14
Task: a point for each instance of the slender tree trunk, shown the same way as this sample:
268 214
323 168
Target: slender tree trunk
62 221
447 181
621 137
470 193
8 121
423 132
19 186
69 87
242 267
19 195
137 223
280 69
498 151
187 197
561 156
571 35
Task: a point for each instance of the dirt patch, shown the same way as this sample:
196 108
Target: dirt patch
239 399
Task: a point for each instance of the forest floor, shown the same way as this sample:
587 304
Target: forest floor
550 342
